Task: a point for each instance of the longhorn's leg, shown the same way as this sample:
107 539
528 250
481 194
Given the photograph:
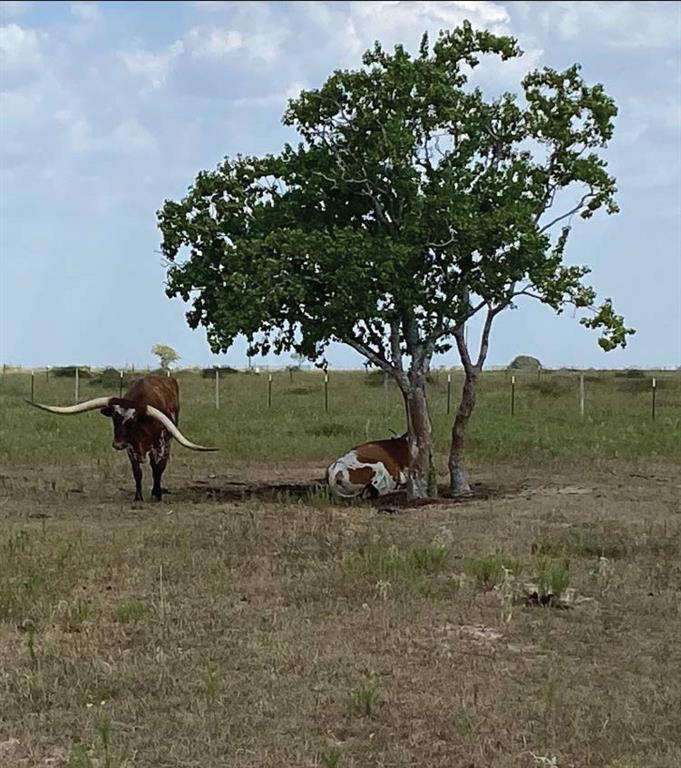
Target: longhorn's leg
158 459
137 474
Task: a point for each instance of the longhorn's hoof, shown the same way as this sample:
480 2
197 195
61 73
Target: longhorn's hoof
138 497
156 496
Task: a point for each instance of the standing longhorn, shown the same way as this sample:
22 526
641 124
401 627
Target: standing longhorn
144 421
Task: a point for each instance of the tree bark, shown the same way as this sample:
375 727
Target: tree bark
459 484
421 482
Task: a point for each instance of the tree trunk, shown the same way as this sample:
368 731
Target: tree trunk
421 482
458 476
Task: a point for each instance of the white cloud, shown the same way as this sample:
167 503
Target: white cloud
18 46
658 112
80 136
20 55
12 9
86 12
354 28
215 43
273 99
152 66
19 105
617 24
132 137
129 137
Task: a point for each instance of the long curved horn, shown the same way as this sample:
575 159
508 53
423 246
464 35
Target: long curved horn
68 410
174 431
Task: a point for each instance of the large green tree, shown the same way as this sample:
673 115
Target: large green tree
411 204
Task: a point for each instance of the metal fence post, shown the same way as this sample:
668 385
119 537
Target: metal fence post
32 386
512 395
449 393
269 391
76 387
120 384
581 394
326 392
654 390
217 389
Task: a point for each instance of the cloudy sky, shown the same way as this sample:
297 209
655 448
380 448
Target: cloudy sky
107 109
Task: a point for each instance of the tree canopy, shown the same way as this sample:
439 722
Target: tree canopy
411 202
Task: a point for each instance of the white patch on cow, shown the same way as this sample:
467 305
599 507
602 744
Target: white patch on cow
340 483
135 456
159 450
125 413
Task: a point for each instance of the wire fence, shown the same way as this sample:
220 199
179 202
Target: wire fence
548 383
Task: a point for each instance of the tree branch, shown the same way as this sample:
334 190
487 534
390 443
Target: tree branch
378 360
463 350
492 312
571 212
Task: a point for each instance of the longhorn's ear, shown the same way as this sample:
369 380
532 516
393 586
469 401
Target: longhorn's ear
108 411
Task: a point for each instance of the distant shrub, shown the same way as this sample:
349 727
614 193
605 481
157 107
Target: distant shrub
209 373
110 378
84 372
525 362
630 373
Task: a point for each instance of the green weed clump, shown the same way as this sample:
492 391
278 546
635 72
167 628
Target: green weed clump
553 578
363 699
129 612
488 571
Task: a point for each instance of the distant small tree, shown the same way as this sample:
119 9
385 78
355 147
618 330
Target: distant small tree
167 355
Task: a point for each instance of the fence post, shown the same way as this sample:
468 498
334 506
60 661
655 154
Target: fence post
120 384
654 390
32 386
326 392
269 391
217 389
512 395
449 393
581 394
47 373
76 387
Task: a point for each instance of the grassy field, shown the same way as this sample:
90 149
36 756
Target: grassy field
546 424
241 624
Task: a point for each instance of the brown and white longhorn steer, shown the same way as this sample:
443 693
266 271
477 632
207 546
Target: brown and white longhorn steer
144 421
371 469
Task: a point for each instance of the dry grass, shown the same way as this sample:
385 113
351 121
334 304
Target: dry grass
262 633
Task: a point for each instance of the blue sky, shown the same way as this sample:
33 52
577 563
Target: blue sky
107 109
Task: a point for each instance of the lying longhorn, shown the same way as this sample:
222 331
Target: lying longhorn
371 469
144 422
